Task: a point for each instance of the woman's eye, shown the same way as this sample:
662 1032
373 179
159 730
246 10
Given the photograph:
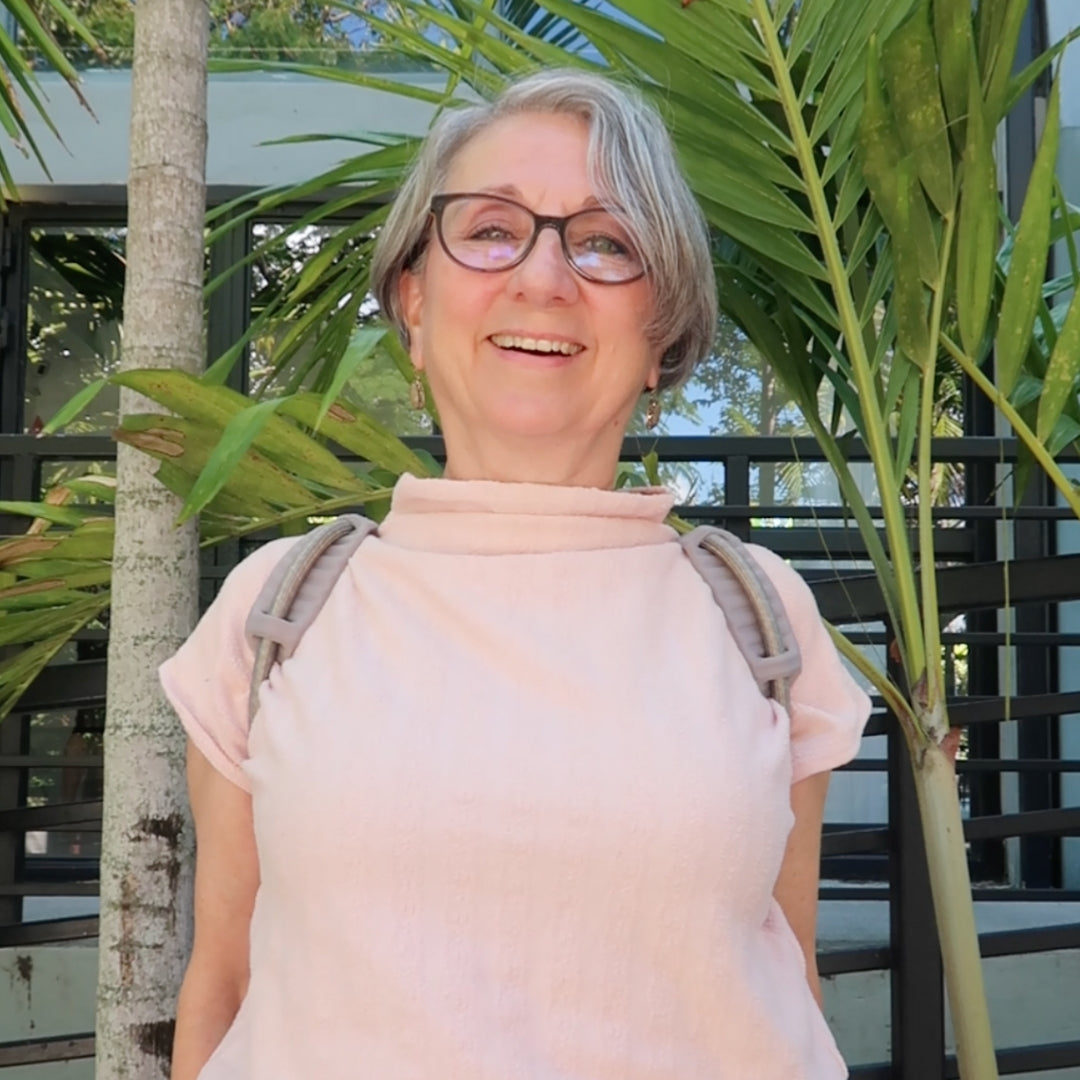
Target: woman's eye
601 244
491 231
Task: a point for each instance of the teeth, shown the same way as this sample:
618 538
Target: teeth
543 345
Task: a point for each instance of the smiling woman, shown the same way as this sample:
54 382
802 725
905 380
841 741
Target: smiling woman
547 870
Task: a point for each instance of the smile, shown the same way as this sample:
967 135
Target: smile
536 345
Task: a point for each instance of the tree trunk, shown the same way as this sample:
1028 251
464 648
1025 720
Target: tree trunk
147 841
950 883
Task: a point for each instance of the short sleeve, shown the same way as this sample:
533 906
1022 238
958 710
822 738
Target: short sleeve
207 679
828 708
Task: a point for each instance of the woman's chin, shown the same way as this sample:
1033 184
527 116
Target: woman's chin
530 419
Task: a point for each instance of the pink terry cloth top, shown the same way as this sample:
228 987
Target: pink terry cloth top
519 805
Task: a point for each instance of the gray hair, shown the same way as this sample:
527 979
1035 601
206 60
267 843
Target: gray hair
633 169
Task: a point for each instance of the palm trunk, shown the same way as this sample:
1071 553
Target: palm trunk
147 839
946 854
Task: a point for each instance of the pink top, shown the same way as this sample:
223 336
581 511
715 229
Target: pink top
518 804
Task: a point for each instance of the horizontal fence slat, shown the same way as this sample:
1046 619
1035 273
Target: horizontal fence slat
979 586
1031 939
21 818
48 931
40 1051
1063 822
756 448
49 761
994 894
849 961
50 888
992 710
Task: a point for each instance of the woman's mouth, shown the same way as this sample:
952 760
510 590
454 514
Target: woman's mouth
538 346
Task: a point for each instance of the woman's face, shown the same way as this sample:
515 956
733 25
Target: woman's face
464 323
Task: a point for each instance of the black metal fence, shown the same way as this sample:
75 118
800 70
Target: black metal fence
882 861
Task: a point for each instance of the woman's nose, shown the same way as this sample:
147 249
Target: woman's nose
544 276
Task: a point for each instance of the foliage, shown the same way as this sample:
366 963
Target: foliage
74 316
291 30
54 580
36 25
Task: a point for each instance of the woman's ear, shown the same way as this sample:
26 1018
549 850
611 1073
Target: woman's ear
411 300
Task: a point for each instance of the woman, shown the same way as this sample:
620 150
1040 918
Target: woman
515 807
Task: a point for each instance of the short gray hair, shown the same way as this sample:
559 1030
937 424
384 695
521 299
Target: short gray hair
633 168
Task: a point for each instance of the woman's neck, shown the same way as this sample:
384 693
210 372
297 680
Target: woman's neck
590 463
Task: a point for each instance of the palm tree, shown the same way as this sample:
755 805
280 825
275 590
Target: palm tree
147 839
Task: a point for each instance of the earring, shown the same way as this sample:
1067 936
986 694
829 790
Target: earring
417 397
652 411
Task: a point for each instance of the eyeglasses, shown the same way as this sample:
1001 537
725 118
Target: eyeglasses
490 233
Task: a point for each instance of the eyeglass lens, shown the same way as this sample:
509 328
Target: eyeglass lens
492 234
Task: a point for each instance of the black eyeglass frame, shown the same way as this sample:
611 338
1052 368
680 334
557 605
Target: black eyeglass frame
540 221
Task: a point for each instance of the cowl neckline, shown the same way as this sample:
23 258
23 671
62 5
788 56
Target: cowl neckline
489 517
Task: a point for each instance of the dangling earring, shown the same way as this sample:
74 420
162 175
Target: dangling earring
652 411
417 397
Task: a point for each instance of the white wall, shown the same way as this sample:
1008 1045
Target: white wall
244 111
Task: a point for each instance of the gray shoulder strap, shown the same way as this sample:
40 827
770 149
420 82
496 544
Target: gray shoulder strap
295 593
752 607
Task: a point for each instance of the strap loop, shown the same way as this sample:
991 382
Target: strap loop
752 607
295 593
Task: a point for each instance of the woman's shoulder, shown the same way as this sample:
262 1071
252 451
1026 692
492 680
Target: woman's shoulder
791 587
828 708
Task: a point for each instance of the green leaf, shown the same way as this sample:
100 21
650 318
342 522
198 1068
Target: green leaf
1061 372
1031 246
75 407
101 488
651 464
749 196
88 543
908 424
363 343
909 62
56 515
844 85
239 434
977 226
989 23
900 203
715 38
955 50
184 447
76 574
805 37
1066 432
765 334
357 433
1020 84
27 627
1001 56
18 672
910 298
214 406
